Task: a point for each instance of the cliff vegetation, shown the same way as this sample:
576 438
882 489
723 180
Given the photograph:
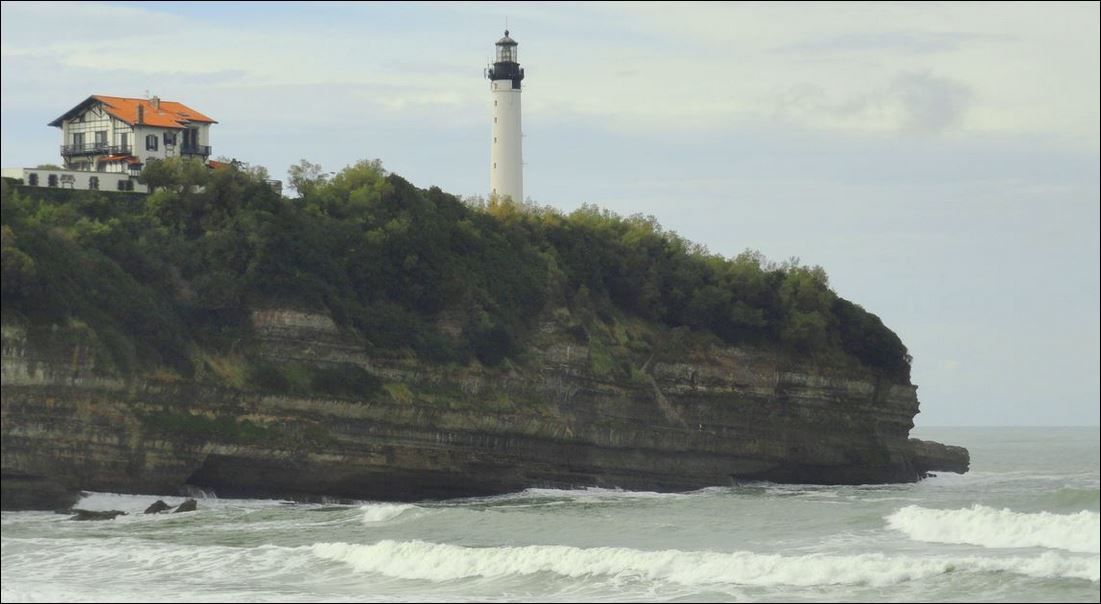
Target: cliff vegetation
165 283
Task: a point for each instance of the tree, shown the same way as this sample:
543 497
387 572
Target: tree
304 177
175 174
18 268
158 175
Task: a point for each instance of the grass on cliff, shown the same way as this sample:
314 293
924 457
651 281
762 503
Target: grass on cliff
168 279
227 429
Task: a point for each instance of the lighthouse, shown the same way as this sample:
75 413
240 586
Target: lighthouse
506 157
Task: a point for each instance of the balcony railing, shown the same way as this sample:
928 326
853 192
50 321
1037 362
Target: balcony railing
94 149
203 150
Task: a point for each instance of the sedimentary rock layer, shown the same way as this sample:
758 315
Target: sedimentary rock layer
715 417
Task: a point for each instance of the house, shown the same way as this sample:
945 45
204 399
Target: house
106 140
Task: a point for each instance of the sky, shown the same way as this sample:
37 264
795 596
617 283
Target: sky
940 160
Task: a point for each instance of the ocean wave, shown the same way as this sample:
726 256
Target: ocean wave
93 500
1072 498
989 527
538 496
437 562
381 512
125 569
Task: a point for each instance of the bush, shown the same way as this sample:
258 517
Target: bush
345 380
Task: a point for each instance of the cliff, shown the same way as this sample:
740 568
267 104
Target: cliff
707 415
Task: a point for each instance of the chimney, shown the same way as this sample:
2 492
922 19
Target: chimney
141 114
156 101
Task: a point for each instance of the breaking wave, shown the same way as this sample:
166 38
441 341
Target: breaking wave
381 512
989 527
419 560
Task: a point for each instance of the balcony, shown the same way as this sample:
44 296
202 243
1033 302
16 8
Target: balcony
95 149
203 150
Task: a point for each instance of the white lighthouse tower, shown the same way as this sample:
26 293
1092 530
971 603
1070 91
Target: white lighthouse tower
506 169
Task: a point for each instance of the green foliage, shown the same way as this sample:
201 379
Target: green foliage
348 381
175 173
343 380
492 342
417 272
202 428
304 177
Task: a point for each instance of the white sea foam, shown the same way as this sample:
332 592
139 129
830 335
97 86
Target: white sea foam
381 512
420 560
136 570
588 493
137 503
989 527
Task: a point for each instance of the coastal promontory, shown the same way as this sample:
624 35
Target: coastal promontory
372 340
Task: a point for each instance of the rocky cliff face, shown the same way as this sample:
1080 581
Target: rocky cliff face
713 418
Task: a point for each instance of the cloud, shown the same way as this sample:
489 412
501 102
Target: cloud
636 67
896 41
930 103
911 102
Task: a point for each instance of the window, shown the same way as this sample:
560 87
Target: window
495 119
151 142
494 102
126 185
51 180
124 141
93 183
495 139
32 179
78 140
169 139
101 138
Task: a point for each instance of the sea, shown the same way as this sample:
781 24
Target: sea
1022 526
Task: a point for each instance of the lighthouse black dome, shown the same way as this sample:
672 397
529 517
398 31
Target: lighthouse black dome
506 41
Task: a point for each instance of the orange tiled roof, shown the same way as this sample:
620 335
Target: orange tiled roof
170 114
214 164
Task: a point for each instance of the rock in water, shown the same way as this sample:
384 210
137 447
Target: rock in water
929 456
23 491
158 507
188 506
92 515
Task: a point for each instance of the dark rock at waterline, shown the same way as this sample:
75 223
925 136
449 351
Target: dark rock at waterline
158 507
23 491
93 515
188 506
929 456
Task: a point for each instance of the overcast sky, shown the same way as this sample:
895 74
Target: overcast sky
939 160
